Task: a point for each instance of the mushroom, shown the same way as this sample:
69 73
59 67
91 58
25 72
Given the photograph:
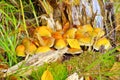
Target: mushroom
60 43
70 33
79 34
86 28
73 43
25 41
57 35
48 41
102 42
20 50
98 32
29 46
74 51
42 49
86 41
43 31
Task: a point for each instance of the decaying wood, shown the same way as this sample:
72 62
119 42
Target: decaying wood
36 60
73 76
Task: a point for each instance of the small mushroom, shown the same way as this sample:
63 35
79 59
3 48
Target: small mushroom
86 41
20 50
98 32
60 43
73 43
43 31
70 33
42 49
102 42
57 35
79 34
74 51
48 41
25 41
29 46
86 28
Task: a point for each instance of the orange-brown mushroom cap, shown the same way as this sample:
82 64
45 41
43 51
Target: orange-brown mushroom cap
20 50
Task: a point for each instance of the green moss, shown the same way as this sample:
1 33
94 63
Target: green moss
92 64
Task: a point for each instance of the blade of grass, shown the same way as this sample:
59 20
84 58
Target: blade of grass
100 59
33 9
23 17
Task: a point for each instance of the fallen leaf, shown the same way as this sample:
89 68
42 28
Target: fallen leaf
47 75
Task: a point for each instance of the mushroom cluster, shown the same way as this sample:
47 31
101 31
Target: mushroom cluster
45 39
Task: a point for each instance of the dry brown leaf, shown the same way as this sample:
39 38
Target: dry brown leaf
88 78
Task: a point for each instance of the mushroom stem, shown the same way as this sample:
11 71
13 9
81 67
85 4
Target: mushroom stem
89 48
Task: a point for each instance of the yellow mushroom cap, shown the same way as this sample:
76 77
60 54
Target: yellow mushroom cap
73 43
30 48
98 32
25 41
87 28
74 51
86 41
79 34
70 33
43 31
20 50
102 42
42 49
60 43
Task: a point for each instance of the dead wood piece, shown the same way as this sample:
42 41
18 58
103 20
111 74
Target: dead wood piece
37 60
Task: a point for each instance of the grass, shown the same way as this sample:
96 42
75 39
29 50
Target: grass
8 39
